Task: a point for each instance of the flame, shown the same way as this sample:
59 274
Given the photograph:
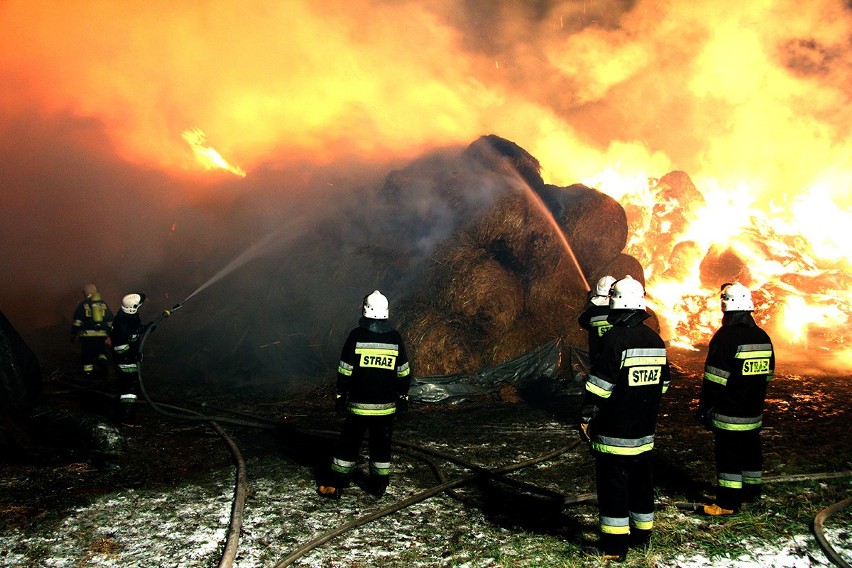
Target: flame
207 156
792 257
750 98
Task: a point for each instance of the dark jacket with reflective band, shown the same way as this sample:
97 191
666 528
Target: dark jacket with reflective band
740 363
373 371
125 337
92 318
625 386
594 320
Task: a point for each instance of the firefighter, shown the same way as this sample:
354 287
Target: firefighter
593 318
127 330
740 363
373 377
618 419
92 323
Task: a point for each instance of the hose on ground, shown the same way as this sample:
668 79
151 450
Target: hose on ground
819 520
416 498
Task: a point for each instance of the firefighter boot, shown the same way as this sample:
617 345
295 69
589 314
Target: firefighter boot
717 511
639 538
330 491
127 414
378 484
600 554
751 492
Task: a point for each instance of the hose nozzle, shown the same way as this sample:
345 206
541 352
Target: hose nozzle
174 308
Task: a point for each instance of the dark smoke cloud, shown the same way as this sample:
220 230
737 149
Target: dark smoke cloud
92 101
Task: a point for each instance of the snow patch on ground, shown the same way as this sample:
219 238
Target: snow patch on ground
186 526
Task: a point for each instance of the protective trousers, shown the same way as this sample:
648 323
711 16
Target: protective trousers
625 486
380 432
128 394
92 351
739 462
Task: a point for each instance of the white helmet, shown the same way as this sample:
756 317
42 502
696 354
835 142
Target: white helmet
376 306
627 294
601 297
736 298
131 302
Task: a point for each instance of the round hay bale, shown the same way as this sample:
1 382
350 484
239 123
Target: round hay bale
682 261
555 301
503 155
521 338
448 260
621 266
503 230
720 266
487 293
438 345
594 223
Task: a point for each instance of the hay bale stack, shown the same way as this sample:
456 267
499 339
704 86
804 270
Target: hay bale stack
507 282
439 344
621 266
504 156
595 225
522 337
503 232
722 265
486 293
552 300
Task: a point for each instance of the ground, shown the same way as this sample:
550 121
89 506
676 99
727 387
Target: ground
168 501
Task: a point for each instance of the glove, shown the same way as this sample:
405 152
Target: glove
588 412
703 416
584 431
402 403
341 405
73 338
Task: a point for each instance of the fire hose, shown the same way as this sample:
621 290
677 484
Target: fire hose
229 552
821 517
238 503
418 497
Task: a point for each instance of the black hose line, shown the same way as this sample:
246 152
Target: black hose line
229 552
821 517
416 498
238 504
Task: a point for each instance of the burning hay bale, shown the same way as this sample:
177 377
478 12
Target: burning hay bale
507 282
722 265
522 338
473 290
594 223
441 345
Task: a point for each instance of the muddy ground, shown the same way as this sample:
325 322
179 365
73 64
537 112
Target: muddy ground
807 430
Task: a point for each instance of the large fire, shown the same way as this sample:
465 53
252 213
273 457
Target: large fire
794 257
751 99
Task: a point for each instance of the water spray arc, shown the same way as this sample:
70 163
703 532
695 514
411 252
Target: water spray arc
563 240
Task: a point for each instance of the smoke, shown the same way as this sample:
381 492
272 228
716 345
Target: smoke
317 102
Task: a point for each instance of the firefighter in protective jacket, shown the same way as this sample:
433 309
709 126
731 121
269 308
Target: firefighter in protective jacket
373 378
126 335
594 317
619 417
92 323
740 363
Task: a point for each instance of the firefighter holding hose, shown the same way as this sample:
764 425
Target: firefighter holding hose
740 363
618 418
373 378
127 330
594 317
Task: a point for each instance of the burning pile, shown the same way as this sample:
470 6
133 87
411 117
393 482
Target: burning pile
506 282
